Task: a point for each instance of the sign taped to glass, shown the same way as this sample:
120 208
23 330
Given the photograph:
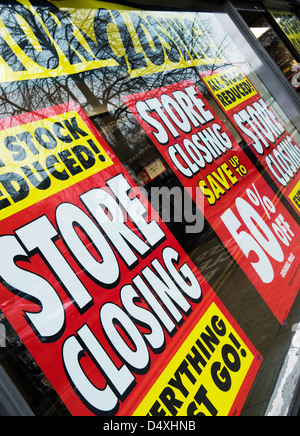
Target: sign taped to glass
54 39
205 156
89 282
264 134
290 24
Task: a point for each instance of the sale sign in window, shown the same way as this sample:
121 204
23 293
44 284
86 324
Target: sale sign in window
96 286
222 368
241 207
273 146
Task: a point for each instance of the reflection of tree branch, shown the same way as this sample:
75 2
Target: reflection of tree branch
214 66
100 91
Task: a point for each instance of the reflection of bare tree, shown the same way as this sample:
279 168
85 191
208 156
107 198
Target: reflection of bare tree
100 91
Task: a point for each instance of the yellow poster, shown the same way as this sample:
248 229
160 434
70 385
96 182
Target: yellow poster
290 25
62 38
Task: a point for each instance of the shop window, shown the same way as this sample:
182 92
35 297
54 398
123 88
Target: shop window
178 106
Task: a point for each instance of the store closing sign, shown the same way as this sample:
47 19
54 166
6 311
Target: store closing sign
290 25
103 296
44 156
260 128
239 204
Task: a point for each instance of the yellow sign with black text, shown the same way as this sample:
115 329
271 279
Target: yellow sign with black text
206 374
295 196
64 38
46 156
230 87
290 25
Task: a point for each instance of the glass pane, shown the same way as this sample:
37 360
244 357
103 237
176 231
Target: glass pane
195 86
290 24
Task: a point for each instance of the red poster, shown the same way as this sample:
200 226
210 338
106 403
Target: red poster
238 203
260 128
102 296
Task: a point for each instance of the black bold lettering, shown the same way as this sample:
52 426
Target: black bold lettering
4 202
102 19
51 161
157 410
173 31
18 152
202 398
144 30
27 137
185 35
169 399
170 47
177 383
196 360
221 377
218 325
58 128
9 180
210 339
65 34
39 178
45 138
74 129
196 28
72 165
231 358
10 57
85 156
17 18
136 59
